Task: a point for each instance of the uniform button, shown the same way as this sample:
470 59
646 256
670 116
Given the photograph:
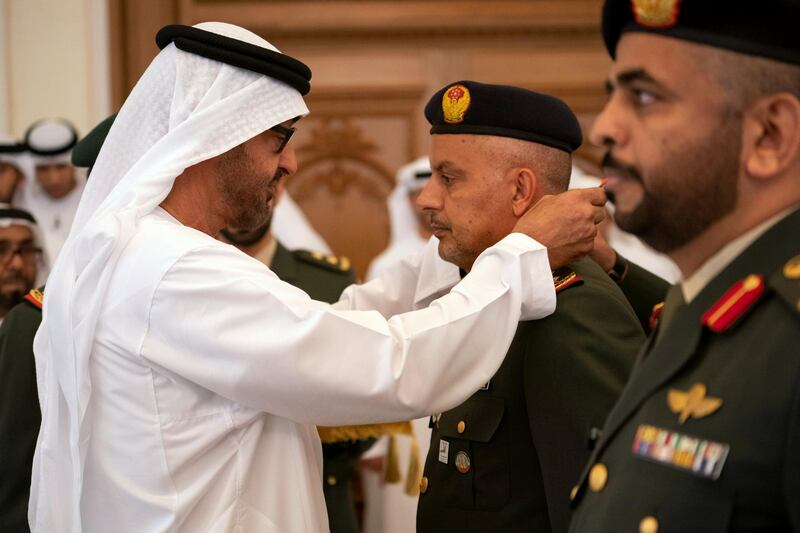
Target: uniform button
573 492
598 476
331 480
461 427
649 524
423 485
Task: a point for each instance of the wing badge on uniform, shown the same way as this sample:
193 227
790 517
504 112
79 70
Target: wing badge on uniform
692 403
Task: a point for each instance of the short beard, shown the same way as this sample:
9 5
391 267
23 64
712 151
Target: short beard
685 199
10 299
248 202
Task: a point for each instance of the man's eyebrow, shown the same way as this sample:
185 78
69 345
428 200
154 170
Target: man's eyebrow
449 167
627 77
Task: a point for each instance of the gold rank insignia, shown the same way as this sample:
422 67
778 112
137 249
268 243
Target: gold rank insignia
656 13
36 297
564 277
692 403
455 102
791 270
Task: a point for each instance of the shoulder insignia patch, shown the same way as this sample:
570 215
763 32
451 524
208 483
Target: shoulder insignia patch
564 278
734 304
655 314
331 262
786 283
35 297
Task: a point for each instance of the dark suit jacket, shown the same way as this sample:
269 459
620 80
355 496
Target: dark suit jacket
20 417
527 435
753 367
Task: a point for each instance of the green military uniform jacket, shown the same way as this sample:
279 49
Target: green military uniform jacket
324 278
643 289
505 459
706 435
20 417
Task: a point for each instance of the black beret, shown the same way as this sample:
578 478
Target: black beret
238 54
85 153
767 28
503 111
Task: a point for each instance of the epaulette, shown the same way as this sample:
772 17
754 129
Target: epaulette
564 278
36 298
786 283
734 304
330 262
655 314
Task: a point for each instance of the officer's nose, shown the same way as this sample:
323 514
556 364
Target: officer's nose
431 195
609 128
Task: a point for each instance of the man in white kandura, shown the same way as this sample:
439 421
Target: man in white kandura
180 379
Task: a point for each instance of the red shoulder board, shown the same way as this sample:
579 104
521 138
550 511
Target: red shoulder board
563 280
36 297
655 314
734 304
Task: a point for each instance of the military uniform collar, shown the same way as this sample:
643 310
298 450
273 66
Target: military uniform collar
694 284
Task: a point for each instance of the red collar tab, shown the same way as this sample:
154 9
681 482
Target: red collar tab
565 279
35 297
655 314
734 304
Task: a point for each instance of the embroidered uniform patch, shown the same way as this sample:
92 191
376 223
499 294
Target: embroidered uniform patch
701 457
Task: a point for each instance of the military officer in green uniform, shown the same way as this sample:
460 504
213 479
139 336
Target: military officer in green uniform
323 277
20 416
19 406
702 129
504 459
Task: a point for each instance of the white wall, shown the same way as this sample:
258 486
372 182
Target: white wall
55 63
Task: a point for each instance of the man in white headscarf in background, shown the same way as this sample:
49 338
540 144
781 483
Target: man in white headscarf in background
408 229
390 507
53 194
179 379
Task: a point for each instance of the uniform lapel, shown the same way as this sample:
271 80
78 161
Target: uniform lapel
660 359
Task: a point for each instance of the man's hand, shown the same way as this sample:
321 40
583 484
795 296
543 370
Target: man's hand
565 223
602 253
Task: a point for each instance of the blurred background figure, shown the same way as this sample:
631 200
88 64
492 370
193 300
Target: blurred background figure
53 195
13 161
409 229
389 508
22 264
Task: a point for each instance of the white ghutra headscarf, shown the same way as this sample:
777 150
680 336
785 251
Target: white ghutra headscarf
185 109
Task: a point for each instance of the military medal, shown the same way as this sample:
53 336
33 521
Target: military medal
692 403
701 457
462 462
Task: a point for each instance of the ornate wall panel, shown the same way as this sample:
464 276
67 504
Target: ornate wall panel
375 63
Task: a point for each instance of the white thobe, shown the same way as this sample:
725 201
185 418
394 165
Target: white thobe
208 375
54 216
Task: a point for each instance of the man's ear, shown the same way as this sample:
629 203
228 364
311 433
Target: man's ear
771 135
525 187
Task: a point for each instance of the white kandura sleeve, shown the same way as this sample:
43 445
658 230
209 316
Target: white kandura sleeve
217 321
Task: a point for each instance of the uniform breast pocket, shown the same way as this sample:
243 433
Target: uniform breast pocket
478 452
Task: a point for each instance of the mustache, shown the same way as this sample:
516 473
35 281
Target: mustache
625 171
437 223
